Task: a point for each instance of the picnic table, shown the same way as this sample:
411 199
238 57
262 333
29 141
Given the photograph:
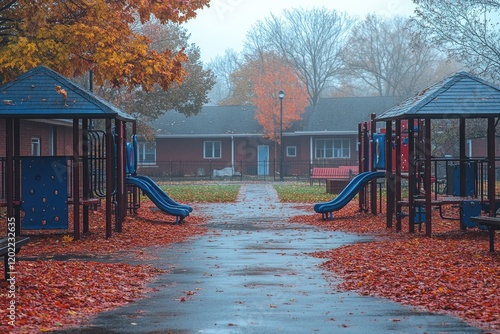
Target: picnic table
492 224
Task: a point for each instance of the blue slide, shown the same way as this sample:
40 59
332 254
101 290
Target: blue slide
159 197
348 193
160 191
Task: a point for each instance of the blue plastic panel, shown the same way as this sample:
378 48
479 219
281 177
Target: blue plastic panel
470 209
379 154
454 179
44 193
419 215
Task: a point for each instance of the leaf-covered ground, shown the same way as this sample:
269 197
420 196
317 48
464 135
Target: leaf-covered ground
62 282
451 272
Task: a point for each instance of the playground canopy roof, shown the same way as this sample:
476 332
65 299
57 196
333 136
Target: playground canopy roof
460 96
34 95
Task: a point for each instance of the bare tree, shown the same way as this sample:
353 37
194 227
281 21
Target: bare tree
310 40
389 56
223 67
468 30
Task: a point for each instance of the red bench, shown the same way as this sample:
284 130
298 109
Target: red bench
324 173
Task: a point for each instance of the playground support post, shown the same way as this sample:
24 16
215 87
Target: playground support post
86 173
17 172
109 176
120 182
427 177
491 164
9 182
397 181
361 157
373 184
412 174
463 157
76 179
389 179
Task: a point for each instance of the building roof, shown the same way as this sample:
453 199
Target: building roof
344 114
462 95
35 95
210 121
330 115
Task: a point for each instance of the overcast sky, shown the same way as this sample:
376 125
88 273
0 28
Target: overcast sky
224 25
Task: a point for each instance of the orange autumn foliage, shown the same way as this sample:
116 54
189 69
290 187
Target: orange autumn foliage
73 37
274 76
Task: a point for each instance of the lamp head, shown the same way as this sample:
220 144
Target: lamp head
281 94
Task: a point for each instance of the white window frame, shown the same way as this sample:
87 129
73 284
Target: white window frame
213 149
331 151
36 147
142 148
289 154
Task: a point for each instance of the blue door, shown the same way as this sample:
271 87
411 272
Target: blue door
263 160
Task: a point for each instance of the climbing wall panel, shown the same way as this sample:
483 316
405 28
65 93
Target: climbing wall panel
44 193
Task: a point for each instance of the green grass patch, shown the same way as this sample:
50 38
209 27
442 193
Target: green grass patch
302 193
204 193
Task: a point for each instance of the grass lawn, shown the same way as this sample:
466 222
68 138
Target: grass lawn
302 193
202 193
291 192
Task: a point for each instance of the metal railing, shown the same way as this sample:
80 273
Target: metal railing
221 169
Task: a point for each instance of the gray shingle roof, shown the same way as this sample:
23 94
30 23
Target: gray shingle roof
344 114
459 96
33 95
210 121
330 114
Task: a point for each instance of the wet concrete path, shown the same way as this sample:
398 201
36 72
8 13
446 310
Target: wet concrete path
252 274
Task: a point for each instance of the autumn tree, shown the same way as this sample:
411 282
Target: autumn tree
276 75
311 41
389 57
187 97
75 36
467 30
243 83
7 23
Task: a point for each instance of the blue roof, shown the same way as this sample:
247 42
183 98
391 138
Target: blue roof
462 95
35 95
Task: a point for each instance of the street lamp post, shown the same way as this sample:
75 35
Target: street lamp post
281 95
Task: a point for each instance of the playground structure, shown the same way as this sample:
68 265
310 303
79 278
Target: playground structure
150 188
401 149
356 185
40 191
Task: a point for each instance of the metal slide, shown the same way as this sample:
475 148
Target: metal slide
159 197
346 195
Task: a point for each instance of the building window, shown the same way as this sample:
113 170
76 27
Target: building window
332 148
212 150
291 151
146 153
35 146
